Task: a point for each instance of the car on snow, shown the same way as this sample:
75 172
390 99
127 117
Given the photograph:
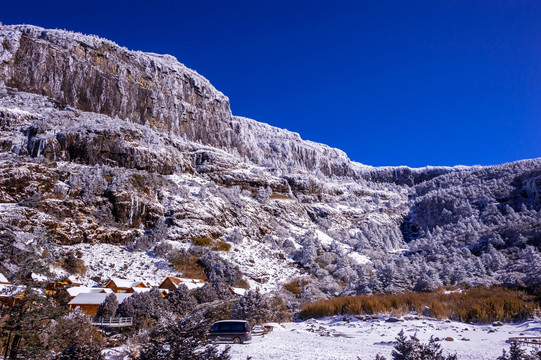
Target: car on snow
237 331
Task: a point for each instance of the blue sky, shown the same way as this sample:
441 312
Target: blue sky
389 82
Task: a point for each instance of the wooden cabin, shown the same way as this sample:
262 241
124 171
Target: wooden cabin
124 286
76 290
172 283
90 302
73 281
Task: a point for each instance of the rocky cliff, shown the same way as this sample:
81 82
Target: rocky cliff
100 146
96 75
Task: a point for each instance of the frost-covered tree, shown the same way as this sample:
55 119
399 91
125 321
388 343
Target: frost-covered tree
151 237
184 339
109 307
80 351
143 307
73 332
205 294
517 353
413 349
181 301
253 307
219 270
25 326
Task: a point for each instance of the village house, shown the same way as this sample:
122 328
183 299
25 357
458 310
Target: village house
9 293
172 283
124 286
90 302
76 290
73 281
56 286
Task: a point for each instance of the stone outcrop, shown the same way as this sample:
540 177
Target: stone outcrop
96 75
99 144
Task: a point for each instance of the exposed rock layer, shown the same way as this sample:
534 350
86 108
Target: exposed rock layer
99 144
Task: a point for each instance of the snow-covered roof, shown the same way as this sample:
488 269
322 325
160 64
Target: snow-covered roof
3 279
38 277
8 290
121 283
190 283
76 290
140 289
238 291
96 298
74 279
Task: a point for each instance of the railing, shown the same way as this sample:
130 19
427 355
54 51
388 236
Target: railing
112 321
535 341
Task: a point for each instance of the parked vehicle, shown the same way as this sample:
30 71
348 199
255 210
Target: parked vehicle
237 331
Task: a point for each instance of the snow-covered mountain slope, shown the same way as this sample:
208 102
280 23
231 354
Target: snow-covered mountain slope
99 144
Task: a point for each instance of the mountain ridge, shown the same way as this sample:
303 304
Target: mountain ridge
99 144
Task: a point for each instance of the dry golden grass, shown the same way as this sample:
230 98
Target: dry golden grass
202 241
280 197
189 266
296 285
481 304
214 244
221 246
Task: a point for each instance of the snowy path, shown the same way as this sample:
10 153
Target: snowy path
332 338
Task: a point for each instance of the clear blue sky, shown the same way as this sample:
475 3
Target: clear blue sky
390 82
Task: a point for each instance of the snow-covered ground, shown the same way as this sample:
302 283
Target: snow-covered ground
334 338
107 261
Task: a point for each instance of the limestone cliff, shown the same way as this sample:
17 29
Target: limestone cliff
102 146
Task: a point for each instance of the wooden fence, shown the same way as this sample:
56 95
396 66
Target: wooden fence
534 341
112 321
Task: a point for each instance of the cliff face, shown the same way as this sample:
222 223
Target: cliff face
96 75
99 144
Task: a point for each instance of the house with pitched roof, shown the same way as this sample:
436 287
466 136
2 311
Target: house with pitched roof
76 290
90 302
172 283
124 286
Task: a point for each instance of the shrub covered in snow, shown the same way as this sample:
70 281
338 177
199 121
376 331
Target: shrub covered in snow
219 270
517 353
181 301
253 307
185 339
109 307
413 349
145 308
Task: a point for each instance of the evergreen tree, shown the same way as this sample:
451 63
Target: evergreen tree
413 349
25 324
180 301
185 339
109 307
145 308
253 307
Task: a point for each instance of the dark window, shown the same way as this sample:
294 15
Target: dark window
237 327
225 327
